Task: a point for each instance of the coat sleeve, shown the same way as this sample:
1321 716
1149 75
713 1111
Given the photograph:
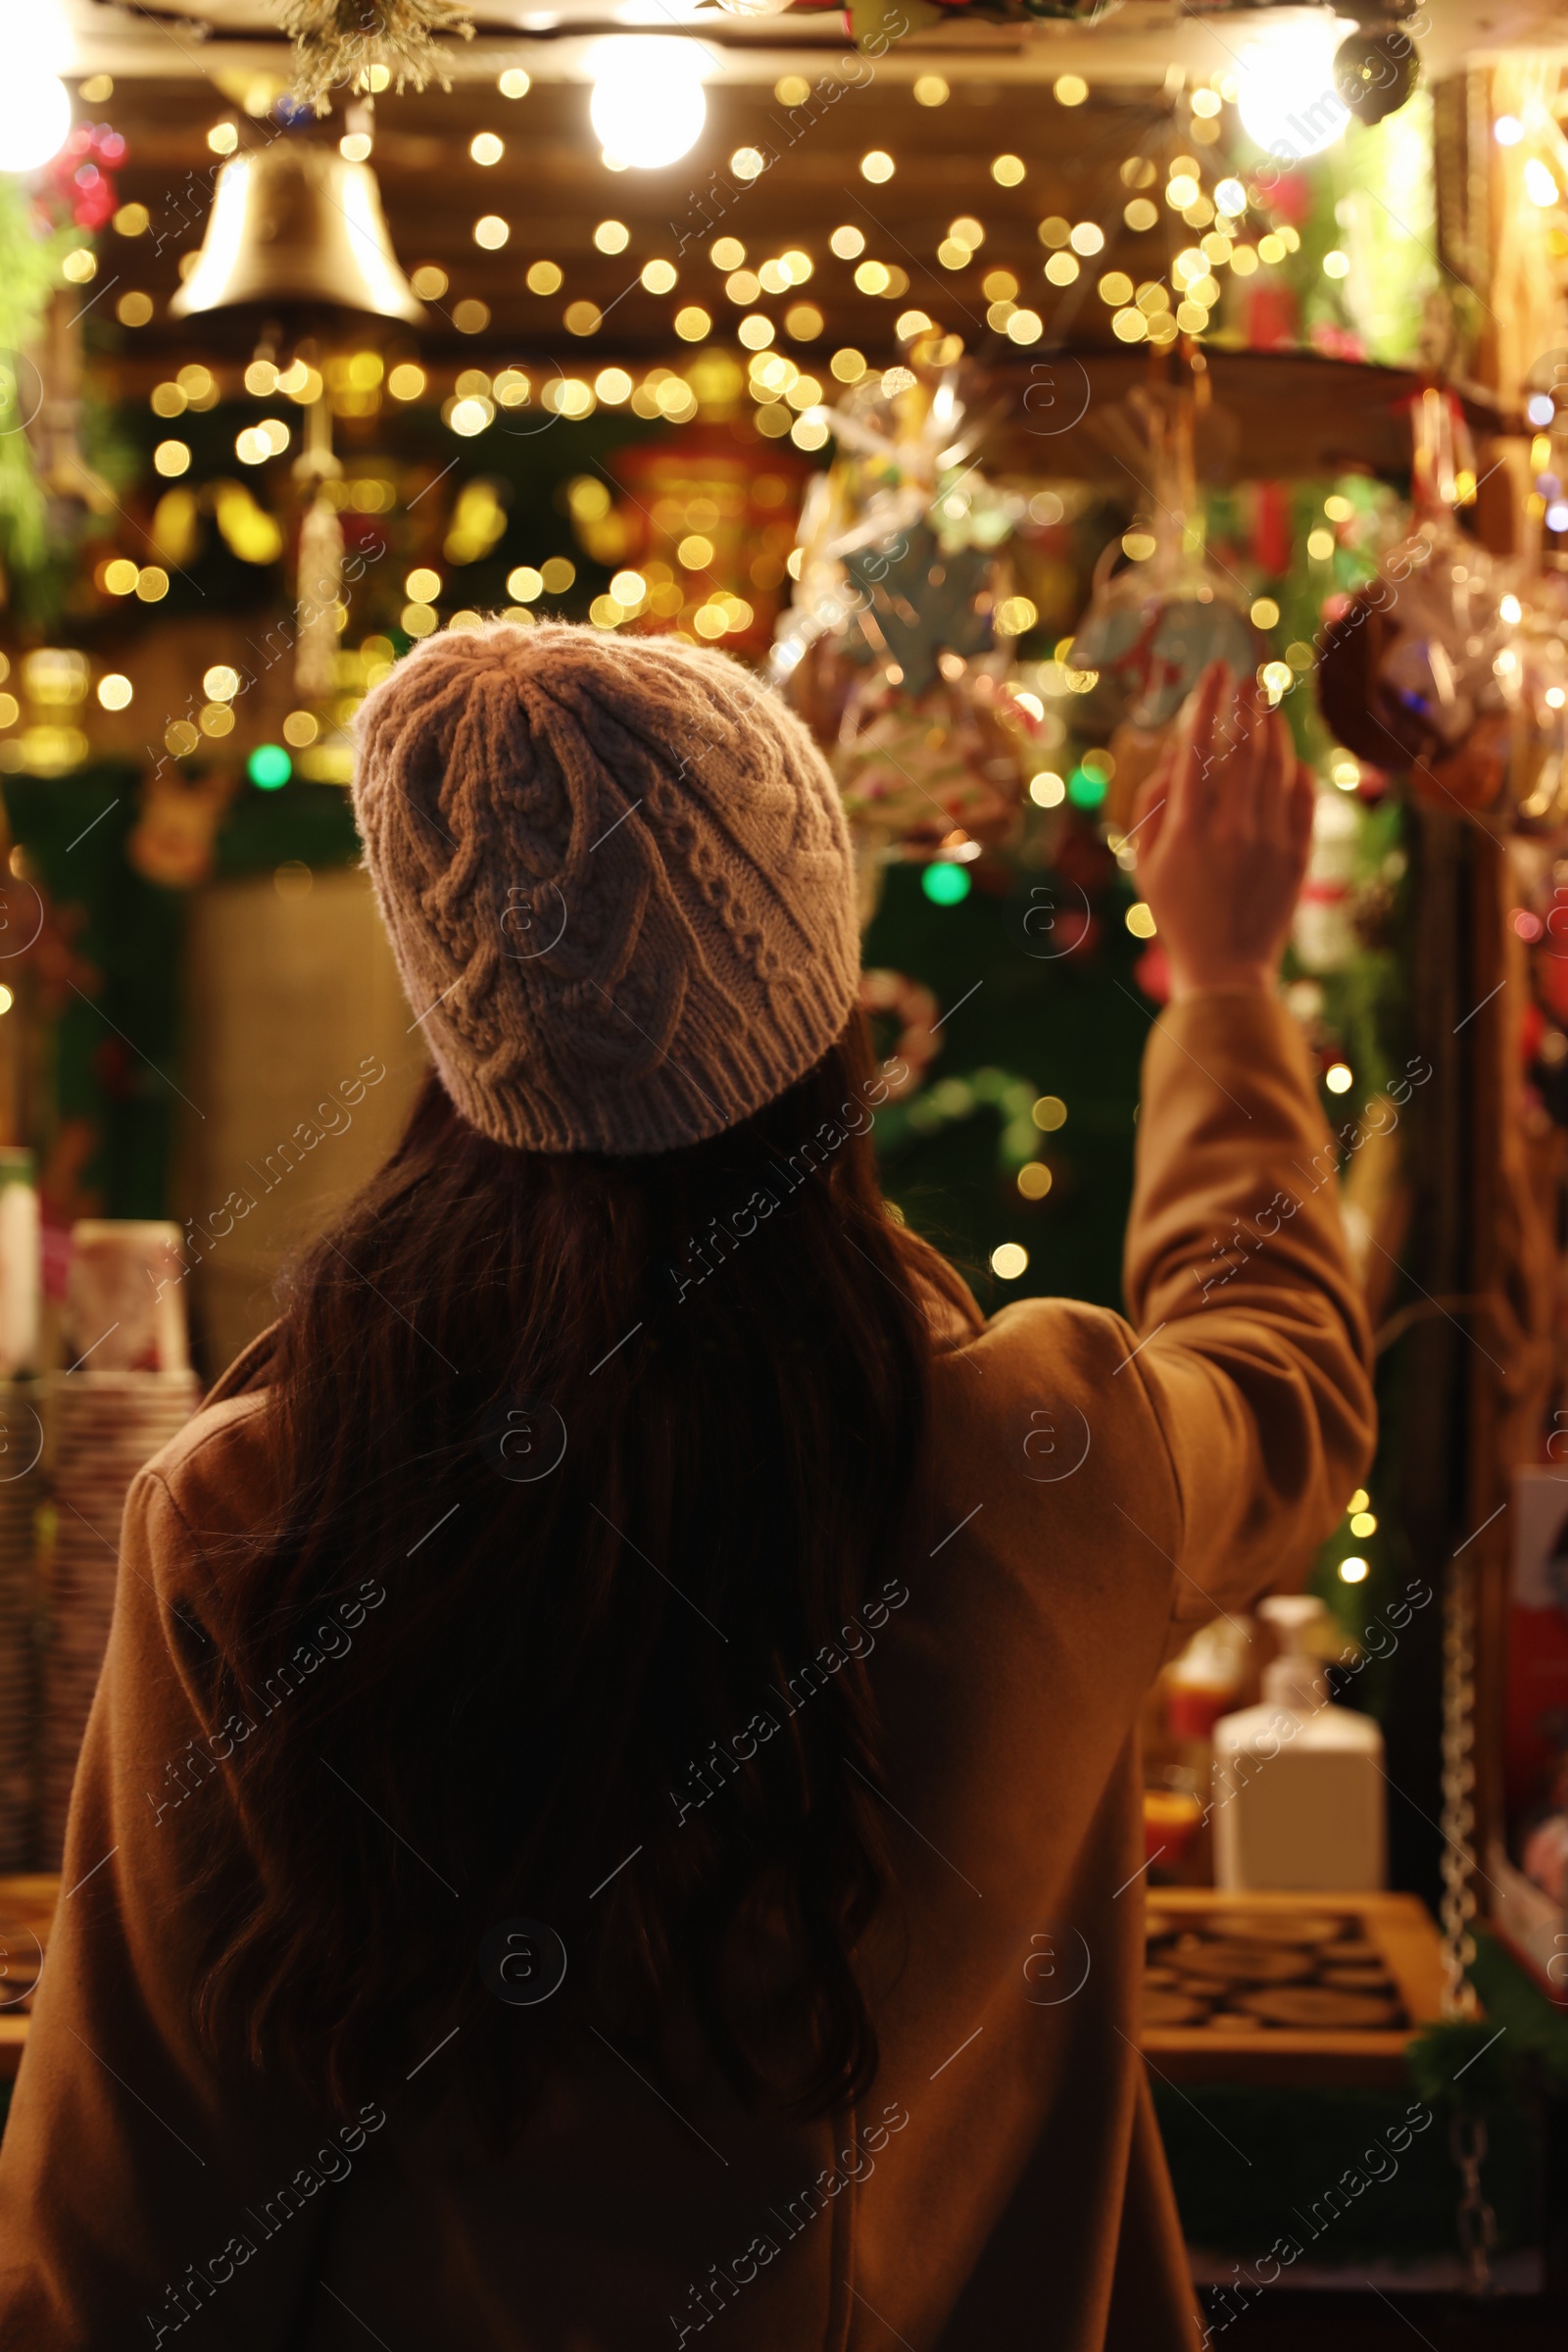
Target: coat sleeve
142 2199
1254 1348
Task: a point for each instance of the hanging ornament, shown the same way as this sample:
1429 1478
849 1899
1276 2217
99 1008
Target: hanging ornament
911 1004
296 226
336 42
912 770
320 582
1414 667
895 649
1375 70
926 602
1156 623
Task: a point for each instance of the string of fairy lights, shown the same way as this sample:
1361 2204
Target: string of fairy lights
1198 236
718 294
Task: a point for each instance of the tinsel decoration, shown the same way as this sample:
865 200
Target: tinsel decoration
317 614
320 583
336 42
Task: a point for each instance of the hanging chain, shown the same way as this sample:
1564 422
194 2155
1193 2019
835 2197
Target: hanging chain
1467 2133
1459 1905
1477 2224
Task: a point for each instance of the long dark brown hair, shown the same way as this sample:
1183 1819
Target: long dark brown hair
587 1465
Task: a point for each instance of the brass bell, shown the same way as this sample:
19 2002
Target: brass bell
296 223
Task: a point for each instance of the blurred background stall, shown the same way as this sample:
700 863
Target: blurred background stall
976 370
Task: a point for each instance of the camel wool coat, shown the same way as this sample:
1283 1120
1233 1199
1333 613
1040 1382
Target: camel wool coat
1105 1486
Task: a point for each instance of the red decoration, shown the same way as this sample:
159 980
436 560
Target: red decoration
1272 317
1338 342
1288 198
1271 530
80 174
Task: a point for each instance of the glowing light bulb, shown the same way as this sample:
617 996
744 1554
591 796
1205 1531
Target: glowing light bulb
34 119
34 103
1540 186
648 105
1288 103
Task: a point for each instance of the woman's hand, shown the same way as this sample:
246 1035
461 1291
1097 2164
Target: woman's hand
1222 829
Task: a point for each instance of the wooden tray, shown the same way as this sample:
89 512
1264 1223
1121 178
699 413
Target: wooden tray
1406 1942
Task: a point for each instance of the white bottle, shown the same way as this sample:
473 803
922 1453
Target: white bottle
20 1264
1298 1785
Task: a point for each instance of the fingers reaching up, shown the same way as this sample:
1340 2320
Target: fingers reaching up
1222 832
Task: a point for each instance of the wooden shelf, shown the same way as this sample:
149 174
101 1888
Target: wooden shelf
1274 415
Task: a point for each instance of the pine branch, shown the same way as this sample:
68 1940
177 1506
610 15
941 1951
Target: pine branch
336 42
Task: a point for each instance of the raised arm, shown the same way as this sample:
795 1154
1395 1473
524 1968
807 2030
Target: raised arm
1255 1353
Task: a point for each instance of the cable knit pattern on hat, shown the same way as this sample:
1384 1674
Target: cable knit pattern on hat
616 878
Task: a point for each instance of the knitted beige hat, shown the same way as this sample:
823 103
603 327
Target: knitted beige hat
616 879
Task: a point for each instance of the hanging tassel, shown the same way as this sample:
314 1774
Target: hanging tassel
338 41
318 611
320 584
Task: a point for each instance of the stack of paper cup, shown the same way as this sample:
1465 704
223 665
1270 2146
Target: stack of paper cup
129 1391
105 1425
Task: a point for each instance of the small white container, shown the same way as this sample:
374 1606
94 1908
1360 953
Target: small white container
125 1306
1298 1785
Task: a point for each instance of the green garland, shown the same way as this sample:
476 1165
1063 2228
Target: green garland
30 272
